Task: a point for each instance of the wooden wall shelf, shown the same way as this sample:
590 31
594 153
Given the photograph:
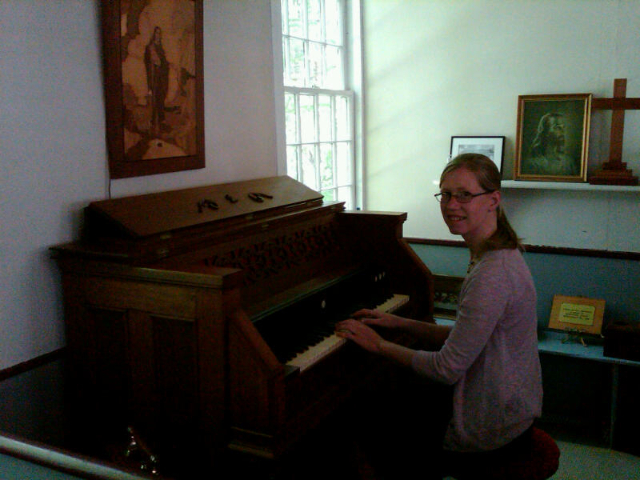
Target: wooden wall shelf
517 184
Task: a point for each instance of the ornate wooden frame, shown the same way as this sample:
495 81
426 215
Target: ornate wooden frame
153 77
575 111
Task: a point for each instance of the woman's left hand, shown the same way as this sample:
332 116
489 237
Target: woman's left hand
360 333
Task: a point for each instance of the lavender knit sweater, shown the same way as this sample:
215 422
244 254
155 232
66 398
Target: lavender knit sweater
491 356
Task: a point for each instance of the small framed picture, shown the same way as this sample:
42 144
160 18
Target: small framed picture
577 314
552 141
492 147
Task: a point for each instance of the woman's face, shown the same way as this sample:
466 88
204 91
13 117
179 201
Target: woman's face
476 220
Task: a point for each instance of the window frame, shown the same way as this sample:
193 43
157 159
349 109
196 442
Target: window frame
353 88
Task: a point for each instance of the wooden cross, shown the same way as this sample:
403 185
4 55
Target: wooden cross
615 171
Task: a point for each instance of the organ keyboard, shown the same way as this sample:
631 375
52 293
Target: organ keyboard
212 329
312 354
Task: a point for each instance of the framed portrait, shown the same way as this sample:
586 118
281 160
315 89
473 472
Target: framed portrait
153 78
552 141
492 147
577 314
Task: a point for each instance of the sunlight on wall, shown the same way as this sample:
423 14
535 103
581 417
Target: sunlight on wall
439 69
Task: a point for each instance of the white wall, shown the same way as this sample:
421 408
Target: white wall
53 151
433 69
439 68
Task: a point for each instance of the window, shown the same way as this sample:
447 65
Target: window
318 116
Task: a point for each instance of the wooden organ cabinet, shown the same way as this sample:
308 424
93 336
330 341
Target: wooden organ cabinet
189 312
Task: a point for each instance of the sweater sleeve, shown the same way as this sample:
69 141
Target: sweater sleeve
483 300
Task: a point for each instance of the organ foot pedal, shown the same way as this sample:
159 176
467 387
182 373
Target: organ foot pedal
138 450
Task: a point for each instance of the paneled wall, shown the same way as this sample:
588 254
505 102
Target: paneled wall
613 279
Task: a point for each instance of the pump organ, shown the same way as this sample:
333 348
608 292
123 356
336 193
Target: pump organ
193 314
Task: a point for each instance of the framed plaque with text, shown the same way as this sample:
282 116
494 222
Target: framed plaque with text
577 314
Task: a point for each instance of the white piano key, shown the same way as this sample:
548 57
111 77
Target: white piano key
330 344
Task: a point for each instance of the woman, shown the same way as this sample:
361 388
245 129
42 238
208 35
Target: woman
490 356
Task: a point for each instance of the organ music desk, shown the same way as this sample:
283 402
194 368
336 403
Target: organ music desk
187 311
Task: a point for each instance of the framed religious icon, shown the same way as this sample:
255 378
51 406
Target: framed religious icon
577 314
153 86
492 147
552 141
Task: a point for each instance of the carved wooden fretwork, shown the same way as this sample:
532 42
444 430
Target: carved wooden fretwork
270 257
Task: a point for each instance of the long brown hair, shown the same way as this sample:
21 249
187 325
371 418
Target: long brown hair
488 177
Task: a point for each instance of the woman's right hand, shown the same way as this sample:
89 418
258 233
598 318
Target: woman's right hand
378 318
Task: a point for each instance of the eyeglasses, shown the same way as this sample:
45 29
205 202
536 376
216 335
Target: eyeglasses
461 197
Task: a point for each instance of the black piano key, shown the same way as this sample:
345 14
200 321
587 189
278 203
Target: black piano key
308 322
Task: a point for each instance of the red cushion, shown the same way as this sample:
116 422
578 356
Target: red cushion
538 463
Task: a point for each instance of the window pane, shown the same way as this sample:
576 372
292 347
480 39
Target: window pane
345 194
333 24
284 7
295 10
343 163
286 62
325 118
334 68
291 118
326 166
292 162
307 119
316 65
309 163
314 20
343 129
296 63
329 195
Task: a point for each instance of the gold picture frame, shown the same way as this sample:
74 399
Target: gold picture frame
552 141
154 86
577 314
